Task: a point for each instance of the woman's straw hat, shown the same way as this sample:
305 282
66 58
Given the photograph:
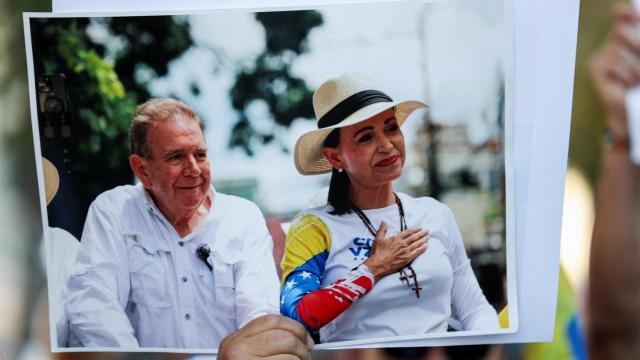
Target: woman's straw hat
51 179
345 100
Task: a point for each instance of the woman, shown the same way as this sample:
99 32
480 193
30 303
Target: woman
359 267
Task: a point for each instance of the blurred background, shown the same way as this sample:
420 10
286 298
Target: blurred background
254 97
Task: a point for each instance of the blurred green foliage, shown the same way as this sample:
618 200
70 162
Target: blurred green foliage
269 79
100 74
100 105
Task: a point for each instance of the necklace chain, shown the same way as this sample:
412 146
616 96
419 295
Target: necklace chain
404 276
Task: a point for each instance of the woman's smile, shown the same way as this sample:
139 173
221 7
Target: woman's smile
388 161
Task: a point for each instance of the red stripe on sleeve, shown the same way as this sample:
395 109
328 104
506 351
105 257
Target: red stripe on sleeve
320 307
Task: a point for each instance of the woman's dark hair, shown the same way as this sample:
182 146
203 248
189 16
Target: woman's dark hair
339 184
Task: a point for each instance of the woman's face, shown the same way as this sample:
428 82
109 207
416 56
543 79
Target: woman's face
371 152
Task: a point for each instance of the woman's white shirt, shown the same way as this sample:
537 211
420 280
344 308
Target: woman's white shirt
449 286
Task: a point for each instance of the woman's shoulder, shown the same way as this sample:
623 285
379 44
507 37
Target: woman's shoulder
317 214
310 229
310 218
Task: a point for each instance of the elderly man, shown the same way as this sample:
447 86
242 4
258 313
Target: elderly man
170 262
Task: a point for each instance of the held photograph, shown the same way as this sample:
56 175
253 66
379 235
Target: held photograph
345 169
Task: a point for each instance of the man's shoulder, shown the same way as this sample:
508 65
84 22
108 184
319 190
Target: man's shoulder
239 225
235 204
119 198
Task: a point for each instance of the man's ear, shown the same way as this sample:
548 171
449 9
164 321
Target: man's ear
332 156
139 166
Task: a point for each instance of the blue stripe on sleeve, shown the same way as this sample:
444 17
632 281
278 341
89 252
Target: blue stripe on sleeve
302 280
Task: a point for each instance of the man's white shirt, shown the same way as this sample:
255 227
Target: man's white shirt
137 282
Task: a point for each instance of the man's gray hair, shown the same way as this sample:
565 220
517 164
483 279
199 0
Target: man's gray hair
153 111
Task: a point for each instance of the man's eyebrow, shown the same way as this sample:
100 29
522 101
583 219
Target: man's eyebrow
363 129
389 120
170 153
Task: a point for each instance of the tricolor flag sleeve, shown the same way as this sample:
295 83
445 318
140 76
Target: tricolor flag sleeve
302 298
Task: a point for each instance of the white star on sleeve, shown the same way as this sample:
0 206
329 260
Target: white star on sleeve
291 283
305 275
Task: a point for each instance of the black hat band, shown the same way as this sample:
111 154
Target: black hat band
350 105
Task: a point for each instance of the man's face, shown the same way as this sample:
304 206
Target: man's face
178 174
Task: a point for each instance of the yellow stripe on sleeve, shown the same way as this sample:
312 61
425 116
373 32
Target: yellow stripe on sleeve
307 237
503 318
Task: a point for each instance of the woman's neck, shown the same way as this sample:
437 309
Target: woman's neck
372 197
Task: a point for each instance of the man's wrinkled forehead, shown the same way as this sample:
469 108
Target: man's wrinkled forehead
177 118
168 133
